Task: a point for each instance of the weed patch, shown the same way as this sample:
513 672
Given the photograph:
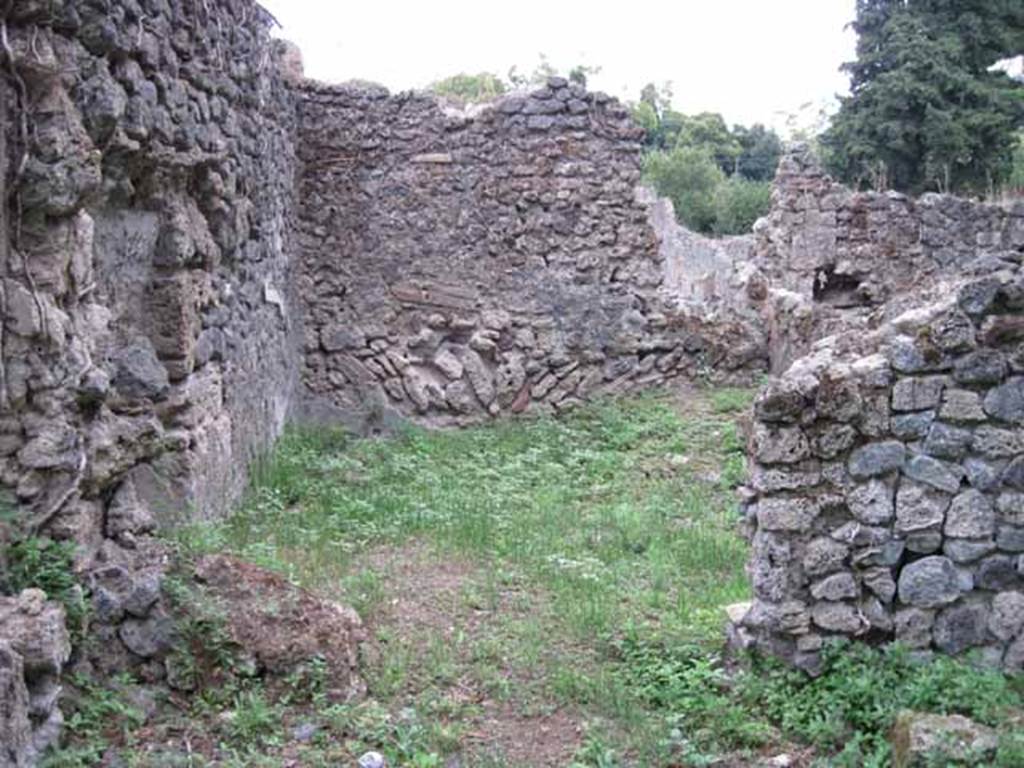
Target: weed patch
47 565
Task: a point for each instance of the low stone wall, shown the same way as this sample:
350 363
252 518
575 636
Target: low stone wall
847 248
706 274
456 265
886 497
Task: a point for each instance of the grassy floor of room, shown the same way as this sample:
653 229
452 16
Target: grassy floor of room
540 592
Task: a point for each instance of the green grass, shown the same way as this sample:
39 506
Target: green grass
610 511
731 399
592 556
846 712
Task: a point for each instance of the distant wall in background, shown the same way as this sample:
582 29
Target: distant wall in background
456 265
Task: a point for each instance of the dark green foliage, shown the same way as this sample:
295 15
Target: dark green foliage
752 153
708 131
738 204
705 200
760 150
850 708
925 112
689 177
716 177
49 566
846 712
654 112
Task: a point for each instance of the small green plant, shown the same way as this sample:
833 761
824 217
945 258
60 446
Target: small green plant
48 565
851 706
1011 747
252 721
95 715
595 753
307 683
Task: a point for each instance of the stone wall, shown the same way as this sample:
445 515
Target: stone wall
705 274
147 326
196 243
34 646
461 264
146 341
887 490
837 259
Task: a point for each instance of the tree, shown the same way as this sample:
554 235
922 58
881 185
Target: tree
480 87
708 131
647 118
655 114
739 203
660 99
760 150
717 177
925 111
689 177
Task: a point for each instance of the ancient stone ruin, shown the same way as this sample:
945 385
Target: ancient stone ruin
454 266
885 497
199 246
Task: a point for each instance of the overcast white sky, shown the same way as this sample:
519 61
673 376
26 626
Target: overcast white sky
751 60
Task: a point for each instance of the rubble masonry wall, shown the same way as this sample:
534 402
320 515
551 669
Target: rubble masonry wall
886 497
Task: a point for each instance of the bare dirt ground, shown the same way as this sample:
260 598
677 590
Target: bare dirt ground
429 597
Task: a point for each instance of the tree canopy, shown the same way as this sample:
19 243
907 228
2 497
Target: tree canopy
750 152
718 178
926 109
